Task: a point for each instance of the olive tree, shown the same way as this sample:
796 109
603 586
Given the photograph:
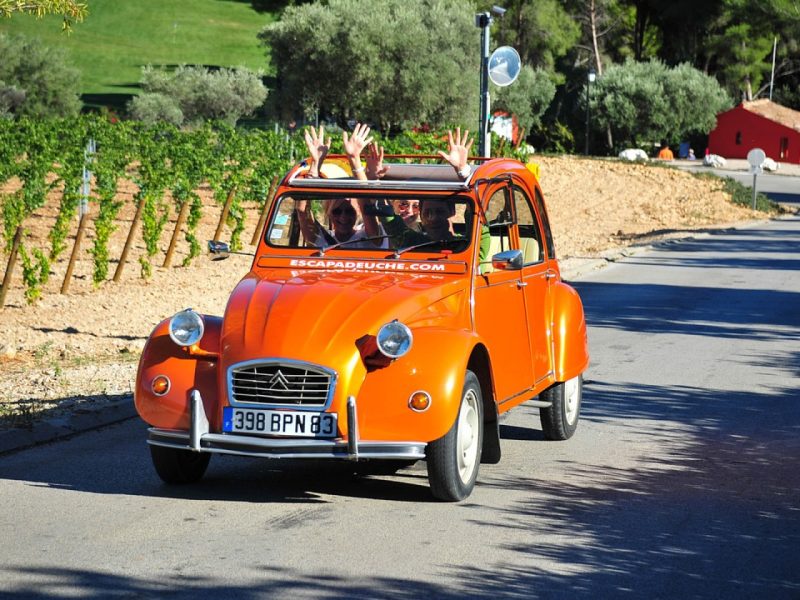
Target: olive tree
194 94
648 102
391 62
35 80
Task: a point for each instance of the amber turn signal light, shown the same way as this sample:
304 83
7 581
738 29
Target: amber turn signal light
160 385
419 401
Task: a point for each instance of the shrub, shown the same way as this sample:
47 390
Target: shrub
35 80
195 94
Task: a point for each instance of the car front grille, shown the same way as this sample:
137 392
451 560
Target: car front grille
281 384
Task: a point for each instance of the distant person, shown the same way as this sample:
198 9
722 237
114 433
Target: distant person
665 153
691 155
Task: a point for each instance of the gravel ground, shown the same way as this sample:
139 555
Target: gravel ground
70 352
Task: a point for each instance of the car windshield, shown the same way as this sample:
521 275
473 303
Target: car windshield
397 224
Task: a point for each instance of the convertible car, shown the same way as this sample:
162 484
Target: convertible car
403 342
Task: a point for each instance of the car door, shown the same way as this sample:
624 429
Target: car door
499 307
537 278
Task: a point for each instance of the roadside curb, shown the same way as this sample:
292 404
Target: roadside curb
53 429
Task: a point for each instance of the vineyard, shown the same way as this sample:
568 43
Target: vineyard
83 177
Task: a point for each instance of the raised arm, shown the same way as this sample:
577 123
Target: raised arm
458 152
317 149
308 224
354 145
375 167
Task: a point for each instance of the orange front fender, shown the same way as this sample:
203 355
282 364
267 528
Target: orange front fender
186 372
436 364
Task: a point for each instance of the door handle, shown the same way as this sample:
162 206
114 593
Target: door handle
521 284
550 275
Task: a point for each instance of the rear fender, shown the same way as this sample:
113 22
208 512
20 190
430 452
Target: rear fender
161 356
570 343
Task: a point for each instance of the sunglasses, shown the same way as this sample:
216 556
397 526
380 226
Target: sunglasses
406 204
343 210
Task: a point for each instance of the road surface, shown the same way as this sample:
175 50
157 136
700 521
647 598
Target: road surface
681 482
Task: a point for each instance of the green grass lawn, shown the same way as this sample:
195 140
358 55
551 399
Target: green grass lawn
120 36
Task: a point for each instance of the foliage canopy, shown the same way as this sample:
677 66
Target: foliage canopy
35 80
649 102
397 64
195 94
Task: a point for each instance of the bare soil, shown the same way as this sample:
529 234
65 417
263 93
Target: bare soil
70 350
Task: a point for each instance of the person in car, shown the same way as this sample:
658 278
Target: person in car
343 214
408 210
435 215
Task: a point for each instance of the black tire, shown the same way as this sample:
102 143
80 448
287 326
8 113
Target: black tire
179 466
560 421
453 459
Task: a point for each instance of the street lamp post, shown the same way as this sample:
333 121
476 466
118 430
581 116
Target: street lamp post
484 20
590 77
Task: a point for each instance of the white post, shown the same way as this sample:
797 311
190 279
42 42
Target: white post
772 78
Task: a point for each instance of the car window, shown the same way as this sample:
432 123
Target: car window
530 238
500 220
429 224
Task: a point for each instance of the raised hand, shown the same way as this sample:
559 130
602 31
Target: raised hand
375 166
458 149
355 144
317 148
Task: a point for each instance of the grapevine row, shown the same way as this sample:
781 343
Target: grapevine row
168 166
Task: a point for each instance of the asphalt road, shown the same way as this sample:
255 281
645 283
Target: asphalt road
783 187
681 482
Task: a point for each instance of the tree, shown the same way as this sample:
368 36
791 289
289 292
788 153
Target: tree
69 9
397 64
35 80
195 94
541 31
527 98
649 102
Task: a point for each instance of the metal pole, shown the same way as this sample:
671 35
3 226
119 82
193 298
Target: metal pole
484 20
754 190
772 77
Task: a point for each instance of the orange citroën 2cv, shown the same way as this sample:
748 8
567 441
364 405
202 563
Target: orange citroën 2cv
386 349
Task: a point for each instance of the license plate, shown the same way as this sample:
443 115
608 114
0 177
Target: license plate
290 423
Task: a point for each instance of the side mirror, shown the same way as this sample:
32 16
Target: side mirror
218 250
509 260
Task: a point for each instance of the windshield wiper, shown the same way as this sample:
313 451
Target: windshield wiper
400 251
323 249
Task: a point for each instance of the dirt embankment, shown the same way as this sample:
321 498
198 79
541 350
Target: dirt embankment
81 347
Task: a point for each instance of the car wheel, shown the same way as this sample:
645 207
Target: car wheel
453 459
179 466
560 420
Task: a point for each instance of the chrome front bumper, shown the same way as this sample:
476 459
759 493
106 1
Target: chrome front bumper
200 439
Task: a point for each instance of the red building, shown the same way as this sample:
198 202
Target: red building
757 124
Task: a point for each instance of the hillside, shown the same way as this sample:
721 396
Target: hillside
118 38
83 346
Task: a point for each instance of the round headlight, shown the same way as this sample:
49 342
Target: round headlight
394 339
186 328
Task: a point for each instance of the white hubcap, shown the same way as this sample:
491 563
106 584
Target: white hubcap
467 438
572 399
